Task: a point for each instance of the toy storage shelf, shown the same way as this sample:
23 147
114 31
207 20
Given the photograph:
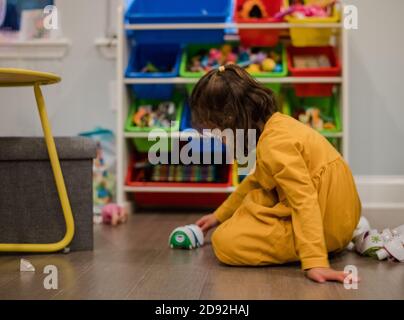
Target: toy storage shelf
124 192
179 80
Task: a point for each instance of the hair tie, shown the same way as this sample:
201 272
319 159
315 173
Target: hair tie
222 68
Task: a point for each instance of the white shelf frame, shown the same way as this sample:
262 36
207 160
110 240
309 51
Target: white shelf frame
124 100
178 80
205 26
35 49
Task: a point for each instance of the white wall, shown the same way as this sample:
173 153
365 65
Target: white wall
81 101
376 59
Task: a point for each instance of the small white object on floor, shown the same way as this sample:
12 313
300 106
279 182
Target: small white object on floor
362 227
26 266
97 219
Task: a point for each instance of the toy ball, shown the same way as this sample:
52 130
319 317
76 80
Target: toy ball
186 237
260 57
268 64
244 56
278 68
226 49
204 61
252 68
232 57
214 54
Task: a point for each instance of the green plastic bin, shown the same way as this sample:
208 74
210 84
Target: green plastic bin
191 50
328 106
143 144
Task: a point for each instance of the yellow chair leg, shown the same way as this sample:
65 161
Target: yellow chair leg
60 185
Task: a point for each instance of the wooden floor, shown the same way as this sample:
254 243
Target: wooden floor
133 261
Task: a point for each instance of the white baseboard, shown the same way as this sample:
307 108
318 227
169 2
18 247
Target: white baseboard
382 200
381 192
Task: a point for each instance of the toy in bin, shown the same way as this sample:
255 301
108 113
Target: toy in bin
183 173
311 61
316 9
159 115
253 9
314 118
186 237
253 59
150 67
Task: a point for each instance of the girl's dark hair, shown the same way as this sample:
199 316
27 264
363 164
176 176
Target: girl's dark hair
230 98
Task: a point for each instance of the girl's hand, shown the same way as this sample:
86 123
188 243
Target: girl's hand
322 275
207 222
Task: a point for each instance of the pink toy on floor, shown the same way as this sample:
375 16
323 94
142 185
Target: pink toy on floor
113 214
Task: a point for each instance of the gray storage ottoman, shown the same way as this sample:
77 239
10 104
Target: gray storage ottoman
30 210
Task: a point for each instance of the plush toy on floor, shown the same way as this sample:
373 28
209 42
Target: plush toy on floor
186 237
389 244
113 214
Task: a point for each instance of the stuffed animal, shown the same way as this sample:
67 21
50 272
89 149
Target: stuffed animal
319 9
113 214
253 9
186 237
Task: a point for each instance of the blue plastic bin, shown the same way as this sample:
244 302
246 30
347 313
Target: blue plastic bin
150 91
178 11
165 57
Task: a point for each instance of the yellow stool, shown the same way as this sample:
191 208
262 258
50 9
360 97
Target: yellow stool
10 77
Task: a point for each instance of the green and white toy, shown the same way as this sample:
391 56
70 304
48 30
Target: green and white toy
186 237
388 244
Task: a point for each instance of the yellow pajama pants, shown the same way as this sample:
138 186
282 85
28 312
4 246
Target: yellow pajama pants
260 232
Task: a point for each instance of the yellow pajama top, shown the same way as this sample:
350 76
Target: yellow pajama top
289 155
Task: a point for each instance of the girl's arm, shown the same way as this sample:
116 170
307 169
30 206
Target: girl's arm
285 163
228 207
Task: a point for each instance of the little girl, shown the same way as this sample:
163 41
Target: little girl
299 204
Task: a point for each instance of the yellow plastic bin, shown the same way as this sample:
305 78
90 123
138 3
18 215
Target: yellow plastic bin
312 37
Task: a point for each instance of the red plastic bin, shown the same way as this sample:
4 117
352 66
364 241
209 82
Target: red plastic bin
177 199
259 37
314 89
